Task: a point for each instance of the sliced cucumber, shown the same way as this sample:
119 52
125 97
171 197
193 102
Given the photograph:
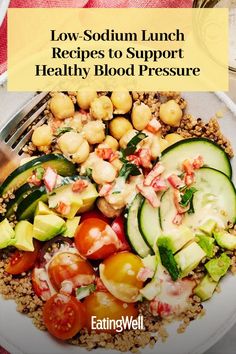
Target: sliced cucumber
149 223
212 154
135 238
20 194
20 176
27 207
215 199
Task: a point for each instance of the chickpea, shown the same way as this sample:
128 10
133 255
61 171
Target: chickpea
103 172
171 113
76 122
119 126
107 208
62 106
70 142
82 153
141 116
122 101
163 144
127 137
111 142
94 131
42 136
102 108
85 98
173 138
117 164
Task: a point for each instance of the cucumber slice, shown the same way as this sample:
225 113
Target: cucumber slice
135 238
215 199
20 176
149 223
213 155
20 194
27 207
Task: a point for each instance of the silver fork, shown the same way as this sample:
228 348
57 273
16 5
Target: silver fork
18 130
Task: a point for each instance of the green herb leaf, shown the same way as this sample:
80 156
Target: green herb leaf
169 262
89 172
129 169
187 197
63 130
132 144
84 291
116 192
39 172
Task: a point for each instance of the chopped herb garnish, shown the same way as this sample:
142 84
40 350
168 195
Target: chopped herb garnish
116 192
129 169
63 130
39 172
132 144
89 172
187 199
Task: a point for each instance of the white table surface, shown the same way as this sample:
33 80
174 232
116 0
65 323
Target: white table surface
9 104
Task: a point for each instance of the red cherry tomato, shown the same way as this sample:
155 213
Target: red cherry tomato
71 267
22 261
64 316
118 227
95 239
94 214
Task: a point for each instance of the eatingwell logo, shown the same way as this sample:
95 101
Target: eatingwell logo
124 323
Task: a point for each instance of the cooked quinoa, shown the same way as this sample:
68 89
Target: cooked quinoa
19 288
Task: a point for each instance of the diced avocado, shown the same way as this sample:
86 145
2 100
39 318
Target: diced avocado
43 209
7 234
189 257
177 239
88 195
150 262
207 244
208 227
205 288
24 236
47 226
151 290
218 267
71 226
169 262
225 240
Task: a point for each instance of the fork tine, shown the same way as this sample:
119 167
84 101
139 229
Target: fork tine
35 103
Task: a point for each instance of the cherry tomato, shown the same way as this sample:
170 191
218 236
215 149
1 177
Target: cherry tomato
95 239
64 316
22 261
119 274
40 286
118 227
103 305
70 267
94 214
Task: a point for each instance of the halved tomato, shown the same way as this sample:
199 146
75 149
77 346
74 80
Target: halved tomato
64 316
118 226
102 305
94 214
95 239
70 268
22 261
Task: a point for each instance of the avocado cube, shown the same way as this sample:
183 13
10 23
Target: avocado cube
208 227
43 209
71 226
218 267
24 236
7 234
47 226
225 240
205 288
177 239
189 257
88 195
207 244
